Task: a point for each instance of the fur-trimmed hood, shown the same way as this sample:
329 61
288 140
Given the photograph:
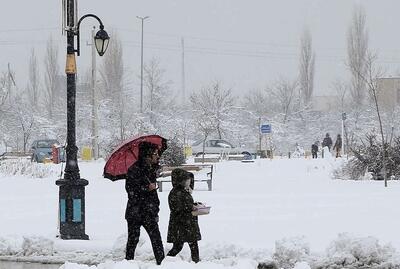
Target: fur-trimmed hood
179 177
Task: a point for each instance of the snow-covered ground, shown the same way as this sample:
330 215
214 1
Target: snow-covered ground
283 210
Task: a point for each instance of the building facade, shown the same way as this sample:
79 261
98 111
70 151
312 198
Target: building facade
388 92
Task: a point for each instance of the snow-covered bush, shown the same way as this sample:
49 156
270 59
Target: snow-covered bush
357 252
9 246
37 245
350 170
24 167
289 251
368 159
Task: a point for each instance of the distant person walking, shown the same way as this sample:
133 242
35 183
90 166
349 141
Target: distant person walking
338 146
183 226
143 203
314 150
327 142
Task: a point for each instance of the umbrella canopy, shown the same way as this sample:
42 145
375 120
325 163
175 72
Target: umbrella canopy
127 154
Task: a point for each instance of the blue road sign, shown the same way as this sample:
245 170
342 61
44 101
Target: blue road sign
265 128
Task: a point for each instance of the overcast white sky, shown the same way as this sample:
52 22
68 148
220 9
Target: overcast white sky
244 44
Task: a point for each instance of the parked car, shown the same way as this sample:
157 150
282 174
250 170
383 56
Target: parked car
42 149
218 146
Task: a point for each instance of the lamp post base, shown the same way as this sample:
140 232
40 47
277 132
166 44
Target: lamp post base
72 209
75 237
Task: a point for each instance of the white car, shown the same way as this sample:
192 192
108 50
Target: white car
217 146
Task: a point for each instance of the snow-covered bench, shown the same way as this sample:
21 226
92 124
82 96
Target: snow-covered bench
165 175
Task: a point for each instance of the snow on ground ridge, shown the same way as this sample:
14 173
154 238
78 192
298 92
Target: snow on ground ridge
346 251
286 211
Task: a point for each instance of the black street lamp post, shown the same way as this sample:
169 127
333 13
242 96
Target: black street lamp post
72 186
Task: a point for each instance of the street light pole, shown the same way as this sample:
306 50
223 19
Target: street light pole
141 66
72 186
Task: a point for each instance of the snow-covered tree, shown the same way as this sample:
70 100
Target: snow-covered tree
283 93
34 81
4 90
23 123
115 97
307 68
52 92
341 89
357 47
173 155
258 103
157 92
212 108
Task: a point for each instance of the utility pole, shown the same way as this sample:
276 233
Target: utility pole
183 72
141 66
10 83
95 131
259 134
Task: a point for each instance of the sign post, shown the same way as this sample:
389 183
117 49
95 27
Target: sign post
265 129
343 119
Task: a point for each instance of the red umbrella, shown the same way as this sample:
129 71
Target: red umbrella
127 154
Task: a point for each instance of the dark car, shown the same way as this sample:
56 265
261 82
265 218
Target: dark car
42 149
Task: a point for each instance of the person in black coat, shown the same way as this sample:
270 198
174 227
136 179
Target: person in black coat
338 146
143 203
183 226
314 150
327 142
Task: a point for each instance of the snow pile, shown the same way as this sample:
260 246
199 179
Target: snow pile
289 251
209 252
9 246
24 167
302 265
221 251
26 246
119 248
358 252
37 245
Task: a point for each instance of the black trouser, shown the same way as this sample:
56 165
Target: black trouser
151 227
314 155
194 250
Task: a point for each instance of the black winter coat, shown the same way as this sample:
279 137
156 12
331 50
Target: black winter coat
314 148
327 142
142 203
183 226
